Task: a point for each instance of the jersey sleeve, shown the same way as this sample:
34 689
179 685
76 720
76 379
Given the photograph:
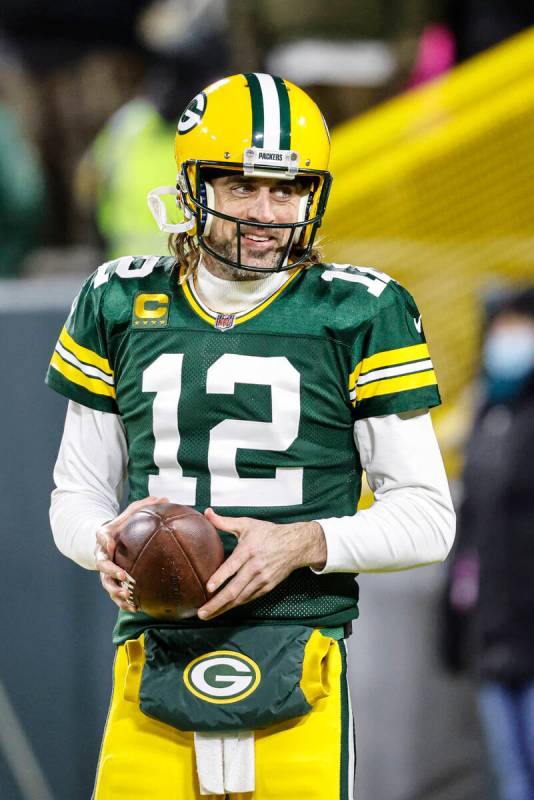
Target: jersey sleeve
80 366
392 369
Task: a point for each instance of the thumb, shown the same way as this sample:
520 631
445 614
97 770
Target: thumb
233 525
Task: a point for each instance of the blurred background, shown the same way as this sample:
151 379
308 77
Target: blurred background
431 108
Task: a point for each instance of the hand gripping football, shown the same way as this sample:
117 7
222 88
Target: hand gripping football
170 551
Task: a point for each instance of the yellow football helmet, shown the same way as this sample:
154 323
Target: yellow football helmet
259 125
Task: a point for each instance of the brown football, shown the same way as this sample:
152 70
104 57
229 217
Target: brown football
170 551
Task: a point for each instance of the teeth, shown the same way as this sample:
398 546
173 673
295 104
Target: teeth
256 238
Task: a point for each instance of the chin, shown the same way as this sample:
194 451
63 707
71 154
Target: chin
259 263
267 261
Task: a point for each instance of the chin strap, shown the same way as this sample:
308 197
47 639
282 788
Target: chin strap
159 211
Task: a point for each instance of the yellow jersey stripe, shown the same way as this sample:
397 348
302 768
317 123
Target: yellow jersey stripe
74 375
388 358
84 354
269 299
195 306
402 383
353 377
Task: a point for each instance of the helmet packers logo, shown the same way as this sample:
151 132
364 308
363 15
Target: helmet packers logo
222 676
193 113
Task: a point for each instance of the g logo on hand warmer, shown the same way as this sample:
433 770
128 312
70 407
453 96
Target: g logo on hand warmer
222 676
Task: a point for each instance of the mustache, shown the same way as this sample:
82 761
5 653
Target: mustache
228 249
256 231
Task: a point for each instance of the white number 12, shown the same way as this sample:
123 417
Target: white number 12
164 377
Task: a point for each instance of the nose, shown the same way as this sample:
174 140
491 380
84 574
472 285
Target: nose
261 209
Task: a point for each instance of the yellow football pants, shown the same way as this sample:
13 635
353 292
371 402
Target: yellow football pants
308 758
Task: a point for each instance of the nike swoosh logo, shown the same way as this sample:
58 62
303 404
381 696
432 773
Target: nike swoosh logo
418 324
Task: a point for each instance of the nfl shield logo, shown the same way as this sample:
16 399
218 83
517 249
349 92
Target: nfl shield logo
224 322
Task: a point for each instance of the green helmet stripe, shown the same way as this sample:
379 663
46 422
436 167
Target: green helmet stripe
271 113
285 114
258 118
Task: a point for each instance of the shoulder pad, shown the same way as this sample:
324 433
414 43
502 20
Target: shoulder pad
374 280
130 267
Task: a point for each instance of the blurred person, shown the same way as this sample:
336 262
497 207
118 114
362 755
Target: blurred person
297 375
435 54
22 192
130 155
490 606
81 62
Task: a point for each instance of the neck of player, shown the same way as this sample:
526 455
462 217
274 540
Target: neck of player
228 289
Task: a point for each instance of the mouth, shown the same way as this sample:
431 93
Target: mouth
258 240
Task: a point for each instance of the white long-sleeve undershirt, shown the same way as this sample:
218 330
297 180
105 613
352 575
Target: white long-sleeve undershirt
89 476
410 524
412 521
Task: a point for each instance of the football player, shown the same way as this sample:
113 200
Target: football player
245 377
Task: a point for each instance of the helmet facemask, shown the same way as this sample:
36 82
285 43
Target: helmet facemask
199 197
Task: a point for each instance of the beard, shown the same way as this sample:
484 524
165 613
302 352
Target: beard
266 261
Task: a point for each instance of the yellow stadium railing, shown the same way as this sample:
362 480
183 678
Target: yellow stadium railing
435 187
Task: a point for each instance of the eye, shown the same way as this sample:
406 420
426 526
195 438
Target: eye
283 192
242 189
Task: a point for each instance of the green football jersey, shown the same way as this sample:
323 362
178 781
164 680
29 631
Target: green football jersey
251 413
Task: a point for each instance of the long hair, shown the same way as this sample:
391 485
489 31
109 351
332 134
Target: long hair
187 251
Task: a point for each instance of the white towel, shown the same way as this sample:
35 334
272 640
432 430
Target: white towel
225 762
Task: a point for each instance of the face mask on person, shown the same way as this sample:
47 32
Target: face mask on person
508 357
509 352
